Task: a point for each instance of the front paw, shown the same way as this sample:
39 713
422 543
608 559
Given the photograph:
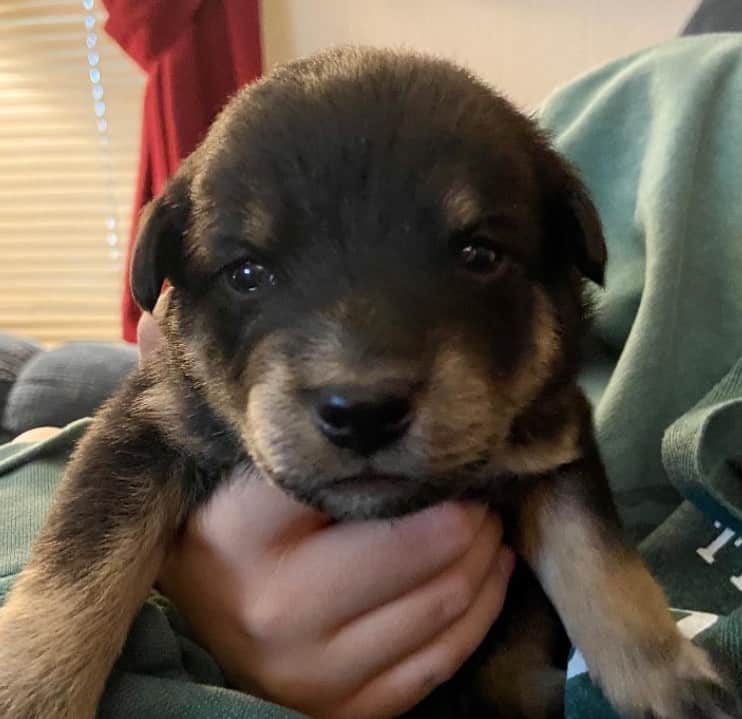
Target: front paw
684 685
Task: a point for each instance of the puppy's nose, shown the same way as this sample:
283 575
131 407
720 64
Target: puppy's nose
362 420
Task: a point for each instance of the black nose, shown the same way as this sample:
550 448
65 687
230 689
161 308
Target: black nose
360 419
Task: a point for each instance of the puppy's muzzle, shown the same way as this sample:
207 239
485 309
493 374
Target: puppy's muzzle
361 418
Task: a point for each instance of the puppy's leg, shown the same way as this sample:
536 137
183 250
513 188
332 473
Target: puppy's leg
613 610
523 674
67 616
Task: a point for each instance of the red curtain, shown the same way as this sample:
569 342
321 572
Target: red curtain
196 53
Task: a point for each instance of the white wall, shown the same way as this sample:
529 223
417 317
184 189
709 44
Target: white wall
524 47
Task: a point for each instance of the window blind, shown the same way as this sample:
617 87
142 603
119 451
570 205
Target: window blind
70 104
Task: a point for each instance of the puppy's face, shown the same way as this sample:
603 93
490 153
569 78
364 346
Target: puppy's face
377 264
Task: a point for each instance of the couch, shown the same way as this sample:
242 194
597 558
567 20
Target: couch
41 387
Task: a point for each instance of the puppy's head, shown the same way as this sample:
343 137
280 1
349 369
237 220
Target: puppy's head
377 267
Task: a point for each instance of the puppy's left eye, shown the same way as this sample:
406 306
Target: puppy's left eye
248 277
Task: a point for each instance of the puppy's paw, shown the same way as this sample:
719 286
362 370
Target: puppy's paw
683 686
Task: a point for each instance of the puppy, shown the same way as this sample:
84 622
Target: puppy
379 273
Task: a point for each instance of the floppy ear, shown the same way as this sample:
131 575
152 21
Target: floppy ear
158 251
574 231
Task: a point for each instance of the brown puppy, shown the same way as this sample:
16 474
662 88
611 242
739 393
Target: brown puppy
378 270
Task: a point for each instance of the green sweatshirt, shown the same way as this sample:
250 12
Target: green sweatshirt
658 138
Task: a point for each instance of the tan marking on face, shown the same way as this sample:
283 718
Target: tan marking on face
59 636
331 356
612 608
462 206
539 364
321 372
456 418
257 225
467 411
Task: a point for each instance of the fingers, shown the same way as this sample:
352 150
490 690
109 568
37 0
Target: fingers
37 434
162 303
149 335
419 617
356 567
410 681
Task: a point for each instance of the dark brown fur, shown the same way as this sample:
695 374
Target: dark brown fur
355 179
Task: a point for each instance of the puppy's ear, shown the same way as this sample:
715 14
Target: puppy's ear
574 231
158 252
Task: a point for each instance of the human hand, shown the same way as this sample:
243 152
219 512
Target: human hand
340 621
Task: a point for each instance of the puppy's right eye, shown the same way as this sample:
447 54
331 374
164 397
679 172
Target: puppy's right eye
477 254
479 258
247 277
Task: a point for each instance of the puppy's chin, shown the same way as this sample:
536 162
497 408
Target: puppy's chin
368 496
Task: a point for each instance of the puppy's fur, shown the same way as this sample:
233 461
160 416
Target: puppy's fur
407 233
